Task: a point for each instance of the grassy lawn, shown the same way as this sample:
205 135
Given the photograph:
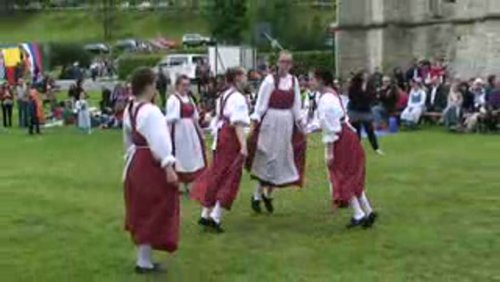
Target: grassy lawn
81 26
84 26
437 193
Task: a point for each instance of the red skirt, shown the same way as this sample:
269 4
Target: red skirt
299 143
347 172
221 181
151 204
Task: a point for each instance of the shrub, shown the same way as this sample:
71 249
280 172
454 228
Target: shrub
64 54
128 63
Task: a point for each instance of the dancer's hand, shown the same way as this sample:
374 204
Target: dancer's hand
171 175
244 151
253 125
329 159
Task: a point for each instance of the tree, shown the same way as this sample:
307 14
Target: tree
106 12
289 26
227 19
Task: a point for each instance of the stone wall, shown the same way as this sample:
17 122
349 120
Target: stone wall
389 33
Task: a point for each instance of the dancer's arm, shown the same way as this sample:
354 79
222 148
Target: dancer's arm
172 110
263 96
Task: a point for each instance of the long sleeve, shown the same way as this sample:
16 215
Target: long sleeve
151 124
127 133
330 114
297 104
263 96
238 109
172 109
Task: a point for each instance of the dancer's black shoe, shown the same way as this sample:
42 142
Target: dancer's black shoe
356 222
370 220
256 205
157 268
216 227
268 203
205 222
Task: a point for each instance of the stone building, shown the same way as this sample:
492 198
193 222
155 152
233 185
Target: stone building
390 33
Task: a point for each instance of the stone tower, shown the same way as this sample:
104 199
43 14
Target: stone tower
389 33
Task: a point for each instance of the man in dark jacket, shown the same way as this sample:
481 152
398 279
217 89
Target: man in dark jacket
438 96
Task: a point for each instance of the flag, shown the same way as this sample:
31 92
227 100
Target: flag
2 67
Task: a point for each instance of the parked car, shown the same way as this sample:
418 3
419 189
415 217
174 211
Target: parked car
195 40
181 64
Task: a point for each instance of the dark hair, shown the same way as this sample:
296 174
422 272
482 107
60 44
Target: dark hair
141 78
232 73
326 76
180 78
492 78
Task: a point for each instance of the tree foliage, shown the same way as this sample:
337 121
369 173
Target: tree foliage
289 25
106 12
227 19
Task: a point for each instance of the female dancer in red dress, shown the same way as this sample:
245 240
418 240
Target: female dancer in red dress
151 189
345 156
219 184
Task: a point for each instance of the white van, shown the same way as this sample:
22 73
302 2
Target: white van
181 64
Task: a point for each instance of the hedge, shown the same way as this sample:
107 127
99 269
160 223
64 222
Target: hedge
64 54
306 61
128 63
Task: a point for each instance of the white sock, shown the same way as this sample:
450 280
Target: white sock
216 214
187 187
358 212
257 194
205 213
365 203
144 256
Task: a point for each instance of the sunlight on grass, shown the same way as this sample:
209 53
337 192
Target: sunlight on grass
437 194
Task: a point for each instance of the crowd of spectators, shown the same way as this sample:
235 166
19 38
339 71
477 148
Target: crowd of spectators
424 92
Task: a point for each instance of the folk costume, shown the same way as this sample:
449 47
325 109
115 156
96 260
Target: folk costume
276 147
347 170
187 142
151 203
218 186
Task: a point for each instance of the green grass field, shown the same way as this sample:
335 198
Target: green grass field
437 194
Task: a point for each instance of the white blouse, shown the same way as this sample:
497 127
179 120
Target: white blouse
235 109
330 113
267 88
151 124
173 108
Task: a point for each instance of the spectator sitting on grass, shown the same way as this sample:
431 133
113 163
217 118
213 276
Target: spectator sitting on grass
387 98
399 76
410 117
452 113
479 93
436 100
491 85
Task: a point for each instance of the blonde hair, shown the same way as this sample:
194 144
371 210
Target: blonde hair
285 53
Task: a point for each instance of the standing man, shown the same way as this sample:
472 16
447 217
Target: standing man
277 143
22 103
